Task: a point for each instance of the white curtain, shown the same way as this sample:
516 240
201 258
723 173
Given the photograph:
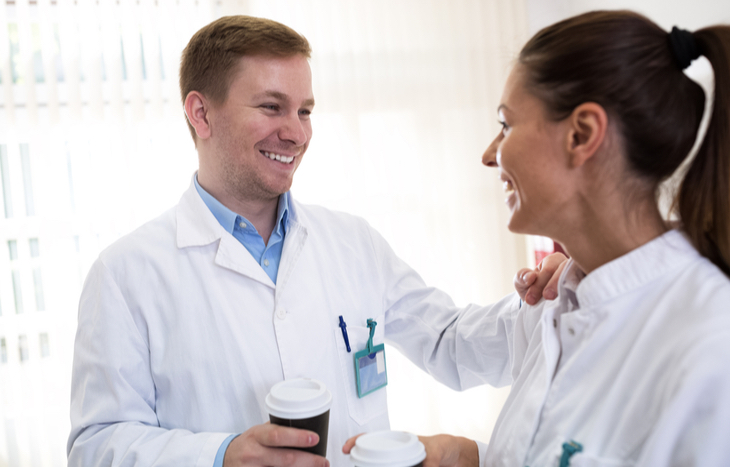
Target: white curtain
93 143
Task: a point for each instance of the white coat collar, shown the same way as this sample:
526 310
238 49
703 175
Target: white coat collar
635 269
197 226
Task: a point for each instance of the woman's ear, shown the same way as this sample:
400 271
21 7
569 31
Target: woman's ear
196 109
588 124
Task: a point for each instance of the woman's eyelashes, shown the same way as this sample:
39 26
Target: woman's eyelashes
505 127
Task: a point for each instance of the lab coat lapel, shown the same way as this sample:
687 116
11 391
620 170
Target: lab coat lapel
197 226
234 256
296 237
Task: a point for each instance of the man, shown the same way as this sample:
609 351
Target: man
186 323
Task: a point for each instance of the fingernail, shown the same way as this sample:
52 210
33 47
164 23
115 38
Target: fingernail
531 299
527 277
549 294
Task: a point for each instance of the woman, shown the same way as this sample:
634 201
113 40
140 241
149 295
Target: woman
631 365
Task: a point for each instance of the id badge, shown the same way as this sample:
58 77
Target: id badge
370 370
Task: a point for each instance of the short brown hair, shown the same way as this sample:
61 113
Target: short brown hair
209 60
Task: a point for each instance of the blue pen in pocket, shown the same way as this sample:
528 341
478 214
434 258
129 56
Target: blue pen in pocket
343 326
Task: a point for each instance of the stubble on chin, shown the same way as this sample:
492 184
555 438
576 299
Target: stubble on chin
250 187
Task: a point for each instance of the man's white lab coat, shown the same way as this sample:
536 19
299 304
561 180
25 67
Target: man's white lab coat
181 334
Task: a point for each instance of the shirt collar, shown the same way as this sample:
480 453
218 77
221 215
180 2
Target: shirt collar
282 215
228 219
628 272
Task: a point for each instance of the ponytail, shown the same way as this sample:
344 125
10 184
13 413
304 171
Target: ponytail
633 68
703 200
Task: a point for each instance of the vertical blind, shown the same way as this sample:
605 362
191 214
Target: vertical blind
93 143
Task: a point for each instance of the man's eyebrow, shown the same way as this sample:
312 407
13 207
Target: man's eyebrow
282 97
274 94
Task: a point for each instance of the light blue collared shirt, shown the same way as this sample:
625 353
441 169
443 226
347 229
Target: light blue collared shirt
267 255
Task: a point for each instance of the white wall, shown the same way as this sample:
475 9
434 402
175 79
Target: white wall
667 13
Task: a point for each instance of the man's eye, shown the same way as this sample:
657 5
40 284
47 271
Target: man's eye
270 106
505 127
305 112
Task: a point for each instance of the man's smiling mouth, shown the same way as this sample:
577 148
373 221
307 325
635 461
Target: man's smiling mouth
278 157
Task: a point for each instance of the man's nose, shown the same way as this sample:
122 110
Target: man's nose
294 130
489 158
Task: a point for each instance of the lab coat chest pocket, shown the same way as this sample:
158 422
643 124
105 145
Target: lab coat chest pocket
586 460
362 410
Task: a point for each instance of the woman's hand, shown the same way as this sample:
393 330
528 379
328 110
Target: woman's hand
450 451
350 443
441 451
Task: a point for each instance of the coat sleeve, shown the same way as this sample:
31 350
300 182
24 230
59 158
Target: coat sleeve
460 347
113 418
694 427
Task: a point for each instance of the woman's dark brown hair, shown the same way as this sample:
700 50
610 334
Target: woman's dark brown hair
624 62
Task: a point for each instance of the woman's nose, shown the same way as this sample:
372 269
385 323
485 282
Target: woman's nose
489 158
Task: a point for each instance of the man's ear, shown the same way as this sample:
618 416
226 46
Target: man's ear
588 124
196 109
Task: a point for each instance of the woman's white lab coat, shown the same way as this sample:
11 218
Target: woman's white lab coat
181 334
632 363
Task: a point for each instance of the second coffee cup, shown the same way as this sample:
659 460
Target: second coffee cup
302 403
388 449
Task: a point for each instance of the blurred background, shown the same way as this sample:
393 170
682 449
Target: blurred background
93 143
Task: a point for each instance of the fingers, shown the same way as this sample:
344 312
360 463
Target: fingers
350 443
551 289
281 436
270 445
283 457
546 284
523 280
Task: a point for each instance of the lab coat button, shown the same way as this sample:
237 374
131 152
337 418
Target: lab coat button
281 314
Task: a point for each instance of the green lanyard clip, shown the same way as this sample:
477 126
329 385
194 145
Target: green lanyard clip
371 326
569 448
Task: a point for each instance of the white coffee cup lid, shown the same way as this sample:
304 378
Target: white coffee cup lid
387 449
298 398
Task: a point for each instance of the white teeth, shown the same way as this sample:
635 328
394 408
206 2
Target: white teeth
279 157
507 186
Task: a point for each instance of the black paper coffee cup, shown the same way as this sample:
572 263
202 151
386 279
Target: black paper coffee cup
388 449
302 403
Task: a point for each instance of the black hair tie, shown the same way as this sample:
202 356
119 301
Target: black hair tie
684 47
